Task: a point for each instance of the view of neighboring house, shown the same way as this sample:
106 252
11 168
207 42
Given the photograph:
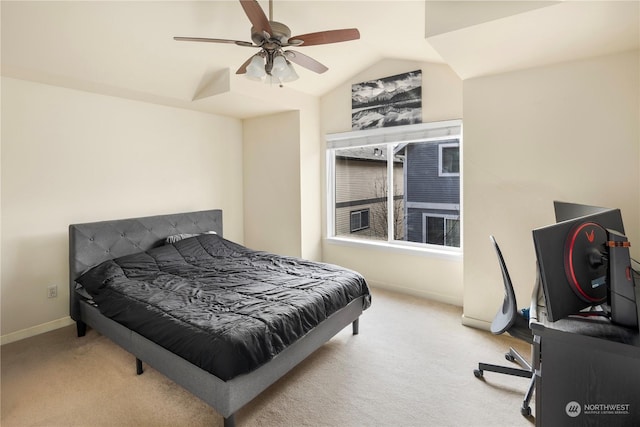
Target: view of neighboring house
361 193
432 197
426 192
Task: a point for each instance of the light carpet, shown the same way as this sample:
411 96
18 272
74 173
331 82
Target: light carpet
411 365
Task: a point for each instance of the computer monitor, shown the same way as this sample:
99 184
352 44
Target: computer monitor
566 210
584 262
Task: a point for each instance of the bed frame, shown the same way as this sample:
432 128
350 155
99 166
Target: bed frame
93 243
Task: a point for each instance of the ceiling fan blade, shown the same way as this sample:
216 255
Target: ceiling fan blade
203 39
256 15
325 37
305 61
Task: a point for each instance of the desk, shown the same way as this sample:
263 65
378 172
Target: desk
587 371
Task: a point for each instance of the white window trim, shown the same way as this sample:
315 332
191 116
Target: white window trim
402 134
409 248
435 131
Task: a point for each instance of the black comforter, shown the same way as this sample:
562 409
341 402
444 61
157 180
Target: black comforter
226 308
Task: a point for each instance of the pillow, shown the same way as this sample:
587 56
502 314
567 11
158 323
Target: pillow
177 237
96 278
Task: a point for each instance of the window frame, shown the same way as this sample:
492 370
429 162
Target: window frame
441 148
424 132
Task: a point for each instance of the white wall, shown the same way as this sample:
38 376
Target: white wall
272 183
429 276
564 132
70 157
311 155
282 189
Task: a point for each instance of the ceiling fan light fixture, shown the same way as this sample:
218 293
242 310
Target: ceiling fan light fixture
255 69
289 75
279 66
283 70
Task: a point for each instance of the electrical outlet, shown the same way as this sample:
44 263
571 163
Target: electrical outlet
52 291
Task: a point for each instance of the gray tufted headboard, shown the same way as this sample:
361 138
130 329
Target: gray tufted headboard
95 242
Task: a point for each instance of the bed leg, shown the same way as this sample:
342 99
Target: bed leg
81 328
356 326
230 421
139 369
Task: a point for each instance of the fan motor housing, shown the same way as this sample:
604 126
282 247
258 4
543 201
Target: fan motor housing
281 34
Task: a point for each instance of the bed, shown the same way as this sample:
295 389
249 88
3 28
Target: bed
221 320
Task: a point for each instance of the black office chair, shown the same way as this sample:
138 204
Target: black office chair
509 319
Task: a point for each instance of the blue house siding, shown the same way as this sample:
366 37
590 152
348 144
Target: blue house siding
426 191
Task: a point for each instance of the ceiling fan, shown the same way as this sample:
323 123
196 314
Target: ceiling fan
272 37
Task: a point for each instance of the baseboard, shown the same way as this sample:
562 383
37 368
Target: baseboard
416 293
476 323
35 330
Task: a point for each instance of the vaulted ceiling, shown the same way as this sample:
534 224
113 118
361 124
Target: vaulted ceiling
126 48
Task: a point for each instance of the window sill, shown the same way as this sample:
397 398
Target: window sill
453 254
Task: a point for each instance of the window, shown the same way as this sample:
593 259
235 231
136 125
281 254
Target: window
442 230
397 185
449 159
359 220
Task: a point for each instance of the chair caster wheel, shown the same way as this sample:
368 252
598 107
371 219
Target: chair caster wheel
509 357
525 411
477 373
